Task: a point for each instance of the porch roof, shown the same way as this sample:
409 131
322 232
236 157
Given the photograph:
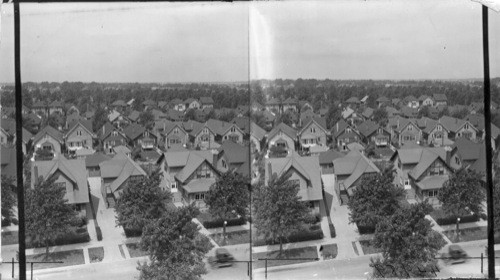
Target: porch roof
199 185
432 182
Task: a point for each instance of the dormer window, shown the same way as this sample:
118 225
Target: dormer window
348 130
233 129
466 126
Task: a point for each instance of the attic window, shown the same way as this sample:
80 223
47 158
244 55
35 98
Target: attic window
115 133
410 127
205 130
439 128
233 129
348 130
466 126
176 130
313 130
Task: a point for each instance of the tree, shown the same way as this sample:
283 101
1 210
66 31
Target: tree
100 118
462 193
460 114
424 112
279 211
175 246
190 114
48 214
55 120
9 199
374 198
333 116
228 197
146 119
142 201
409 245
380 116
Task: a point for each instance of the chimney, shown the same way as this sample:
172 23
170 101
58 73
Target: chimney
337 129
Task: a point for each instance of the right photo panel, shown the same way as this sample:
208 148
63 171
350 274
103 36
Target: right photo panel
369 141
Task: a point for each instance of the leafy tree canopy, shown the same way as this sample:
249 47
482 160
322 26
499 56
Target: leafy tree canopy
228 194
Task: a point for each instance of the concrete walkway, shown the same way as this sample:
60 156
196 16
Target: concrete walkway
438 228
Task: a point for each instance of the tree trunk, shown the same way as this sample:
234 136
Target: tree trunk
281 245
46 248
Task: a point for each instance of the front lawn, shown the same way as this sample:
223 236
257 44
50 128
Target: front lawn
232 238
368 248
10 237
467 234
135 251
96 254
310 253
69 258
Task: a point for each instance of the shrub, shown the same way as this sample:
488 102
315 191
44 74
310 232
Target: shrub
132 232
315 227
453 220
220 223
365 229
310 219
333 233
296 237
99 233
70 238
318 217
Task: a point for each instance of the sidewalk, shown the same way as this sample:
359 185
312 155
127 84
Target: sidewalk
438 228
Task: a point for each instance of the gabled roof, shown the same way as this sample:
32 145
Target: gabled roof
367 128
220 127
439 97
134 115
274 101
453 124
257 131
468 150
413 154
133 131
121 149
339 128
307 167
73 169
477 121
158 114
105 130
206 100
236 154
85 124
367 113
355 165
190 100
410 98
192 161
329 156
292 133
422 97
113 115
120 167
175 115
176 101
268 116
427 157
243 123
352 99
49 130
320 122
56 104
95 159
347 112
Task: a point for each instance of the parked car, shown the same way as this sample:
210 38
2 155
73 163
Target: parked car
222 258
454 254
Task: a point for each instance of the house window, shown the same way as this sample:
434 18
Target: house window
173 186
199 196
313 130
439 128
437 169
410 127
348 130
235 138
281 144
204 138
466 126
233 129
205 130
203 172
224 164
432 193
115 133
457 160
176 130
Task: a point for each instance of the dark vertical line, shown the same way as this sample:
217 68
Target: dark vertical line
250 142
489 166
19 139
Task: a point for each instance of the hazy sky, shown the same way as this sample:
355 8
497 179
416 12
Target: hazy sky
182 42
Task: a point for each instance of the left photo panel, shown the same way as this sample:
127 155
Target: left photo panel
135 140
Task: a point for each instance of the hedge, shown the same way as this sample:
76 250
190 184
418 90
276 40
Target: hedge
453 220
296 237
99 233
132 232
220 223
365 229
70 238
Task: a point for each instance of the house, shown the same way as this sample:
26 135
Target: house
256 107
92 163
158 115
367 113
353 102
477 121
392 112
40 108
202 136
233 157
139 136
225 131
422 172
269 118
404 131
372 133
110 137
433 132
343 134
274 105
364 100
306 117
56 107
290 104
178 105
8 160
465 153
192 103
206 102
149 104
440 99
163 105
117 119
173 134
425 100
123 150
458 128
119 105
134 116
79 136
382 101
305 171
242 110
175 115
243 123
8 135
347 113
70 174
257 137
188 175
409 112
305 106
313 133
282 136
396 102
323 111
326 159
349 171
50 139
117 174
